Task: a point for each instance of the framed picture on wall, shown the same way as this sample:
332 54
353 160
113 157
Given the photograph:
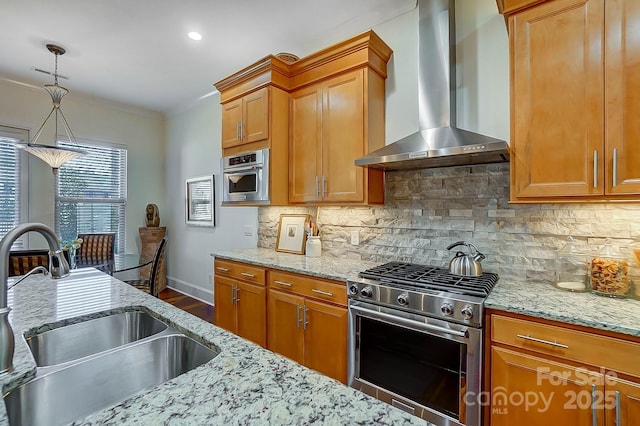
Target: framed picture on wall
200 206
291 235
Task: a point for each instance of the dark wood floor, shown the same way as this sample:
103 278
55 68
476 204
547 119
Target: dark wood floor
189 304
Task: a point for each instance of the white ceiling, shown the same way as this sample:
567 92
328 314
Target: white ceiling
138 52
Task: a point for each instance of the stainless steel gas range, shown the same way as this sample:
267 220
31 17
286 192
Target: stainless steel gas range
415 339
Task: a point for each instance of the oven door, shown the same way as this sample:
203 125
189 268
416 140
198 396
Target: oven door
245 185
421 365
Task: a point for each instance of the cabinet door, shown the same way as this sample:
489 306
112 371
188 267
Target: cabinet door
527 390
626 398
557 99
305 156
231 120
285 325
225 307
251 304
623 103
325 339
255 121
343 138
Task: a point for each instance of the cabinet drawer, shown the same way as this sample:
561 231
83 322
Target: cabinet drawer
318 288
241 271
594 349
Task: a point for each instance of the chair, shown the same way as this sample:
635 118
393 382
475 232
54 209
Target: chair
96 248
151 285
22 261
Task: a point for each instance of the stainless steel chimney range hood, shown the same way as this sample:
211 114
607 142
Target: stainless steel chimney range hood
439 143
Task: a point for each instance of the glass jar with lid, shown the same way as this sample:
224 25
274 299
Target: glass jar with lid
571 272
609 272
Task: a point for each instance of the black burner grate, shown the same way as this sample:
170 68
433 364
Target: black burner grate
432 278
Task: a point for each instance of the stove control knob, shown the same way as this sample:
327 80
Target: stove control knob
353 289
447 309
467 312
403 299
367 292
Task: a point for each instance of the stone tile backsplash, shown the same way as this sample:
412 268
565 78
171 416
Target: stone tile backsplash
428 209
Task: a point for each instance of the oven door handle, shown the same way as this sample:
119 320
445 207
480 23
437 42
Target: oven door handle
409 323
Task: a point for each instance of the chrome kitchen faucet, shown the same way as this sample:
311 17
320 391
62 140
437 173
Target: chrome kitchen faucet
58 267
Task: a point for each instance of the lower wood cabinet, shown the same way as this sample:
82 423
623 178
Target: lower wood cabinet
298 316
308 321
240 307
544 373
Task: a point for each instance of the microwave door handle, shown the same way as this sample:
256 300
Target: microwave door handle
409 323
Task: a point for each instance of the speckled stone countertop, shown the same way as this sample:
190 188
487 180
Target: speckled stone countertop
586 309
536 300
244 384
334 268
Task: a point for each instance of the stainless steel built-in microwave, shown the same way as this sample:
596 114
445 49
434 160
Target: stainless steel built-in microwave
246 178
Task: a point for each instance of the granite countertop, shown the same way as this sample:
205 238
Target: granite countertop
586 309
533 299
334 268
244 384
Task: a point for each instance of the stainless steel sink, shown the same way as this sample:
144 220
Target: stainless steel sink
62 394
76 341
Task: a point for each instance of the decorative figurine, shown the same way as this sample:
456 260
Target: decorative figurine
153 216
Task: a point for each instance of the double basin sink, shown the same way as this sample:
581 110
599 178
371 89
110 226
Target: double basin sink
90 365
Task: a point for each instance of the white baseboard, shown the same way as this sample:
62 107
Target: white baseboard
191 290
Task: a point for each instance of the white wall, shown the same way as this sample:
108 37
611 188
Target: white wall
96 120
194 149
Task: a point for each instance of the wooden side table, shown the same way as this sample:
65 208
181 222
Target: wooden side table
150 238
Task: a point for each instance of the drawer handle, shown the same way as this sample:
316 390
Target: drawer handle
246 274
324 293
546 342
283 283
220 268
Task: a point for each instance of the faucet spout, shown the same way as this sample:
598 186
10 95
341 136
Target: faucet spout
58 267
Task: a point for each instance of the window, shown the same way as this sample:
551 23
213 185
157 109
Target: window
91 192
13 181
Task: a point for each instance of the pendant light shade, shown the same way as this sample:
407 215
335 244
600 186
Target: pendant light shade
53 155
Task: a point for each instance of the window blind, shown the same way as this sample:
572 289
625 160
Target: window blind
91 193
13 193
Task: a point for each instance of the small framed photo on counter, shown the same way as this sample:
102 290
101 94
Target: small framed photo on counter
291 235
200 208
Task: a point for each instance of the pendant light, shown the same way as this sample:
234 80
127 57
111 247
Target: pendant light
53 155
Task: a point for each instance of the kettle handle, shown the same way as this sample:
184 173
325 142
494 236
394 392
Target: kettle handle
456 244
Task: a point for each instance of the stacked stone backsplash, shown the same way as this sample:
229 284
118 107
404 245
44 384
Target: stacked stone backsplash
426 210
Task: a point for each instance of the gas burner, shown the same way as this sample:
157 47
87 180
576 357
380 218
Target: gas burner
426 277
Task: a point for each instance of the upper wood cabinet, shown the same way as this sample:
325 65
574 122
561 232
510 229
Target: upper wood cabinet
572 130
246 119
317 115
327 135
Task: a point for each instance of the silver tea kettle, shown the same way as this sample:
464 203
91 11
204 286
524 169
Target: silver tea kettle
466 264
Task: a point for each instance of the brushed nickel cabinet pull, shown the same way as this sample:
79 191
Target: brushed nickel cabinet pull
305 323
324 187
546 342
618 416
283 283
594 413
237 297
237 130
324 293
595 168
241 130
615 167
297 315
220 268
246 274
317 186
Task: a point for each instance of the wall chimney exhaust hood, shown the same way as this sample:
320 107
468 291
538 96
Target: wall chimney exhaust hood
439 143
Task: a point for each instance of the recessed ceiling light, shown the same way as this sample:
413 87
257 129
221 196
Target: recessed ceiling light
194 35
